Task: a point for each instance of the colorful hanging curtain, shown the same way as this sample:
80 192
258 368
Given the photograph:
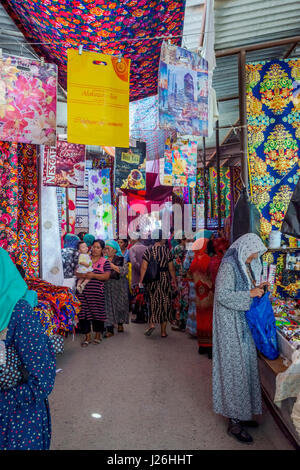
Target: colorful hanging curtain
67 216
100 209
180 163
64 165
112 27
225 192
82 210
28 101
273 112
183 91
19 204
130 167
231 186
27 252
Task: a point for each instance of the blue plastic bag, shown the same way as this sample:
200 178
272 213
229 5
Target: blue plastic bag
262 324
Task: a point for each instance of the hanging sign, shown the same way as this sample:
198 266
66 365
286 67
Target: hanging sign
183 91
64 165
179 166
100 209
98 99
28 94
130 167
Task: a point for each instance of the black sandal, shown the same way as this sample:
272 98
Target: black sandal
238 432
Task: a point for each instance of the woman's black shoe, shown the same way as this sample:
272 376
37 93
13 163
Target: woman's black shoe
236 430
203 350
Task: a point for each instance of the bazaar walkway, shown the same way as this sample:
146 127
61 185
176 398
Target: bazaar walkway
151 393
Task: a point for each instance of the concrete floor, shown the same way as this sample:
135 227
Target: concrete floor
151 393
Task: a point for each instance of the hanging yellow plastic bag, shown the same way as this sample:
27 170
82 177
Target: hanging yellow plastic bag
98 99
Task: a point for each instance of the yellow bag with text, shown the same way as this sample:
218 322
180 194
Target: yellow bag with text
98 99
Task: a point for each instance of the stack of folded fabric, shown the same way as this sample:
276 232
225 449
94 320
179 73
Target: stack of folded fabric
58 307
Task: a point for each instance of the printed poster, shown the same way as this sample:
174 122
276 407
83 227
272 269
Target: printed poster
130 167
64 165
28 95
179 165
100 208
98 99
183 91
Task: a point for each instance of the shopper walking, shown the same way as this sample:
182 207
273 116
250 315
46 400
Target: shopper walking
159 291
92 298
181 302
25 422
136 253
116 290
236 385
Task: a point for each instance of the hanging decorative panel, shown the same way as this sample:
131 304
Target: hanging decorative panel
183 91
27 252
127 27
273 111
179 166
28 96
130 167
100 209
8 196
64 165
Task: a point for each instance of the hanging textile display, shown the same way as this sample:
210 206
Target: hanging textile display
19 204
27 252
130 167
51 258
183 91
28 101
8 196
179 166
98 99
82 209
225 192
273 112
100 209
64 165
231 187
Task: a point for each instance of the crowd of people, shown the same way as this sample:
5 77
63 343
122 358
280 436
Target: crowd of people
197 286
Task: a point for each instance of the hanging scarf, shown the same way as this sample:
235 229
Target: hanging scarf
12 288
115 245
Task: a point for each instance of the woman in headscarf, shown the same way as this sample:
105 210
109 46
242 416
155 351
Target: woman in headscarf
24 410
159 291
116 290
204 295
181 302
92 298
236 385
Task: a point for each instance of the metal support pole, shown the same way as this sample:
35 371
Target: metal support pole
205 185
218 174
243 117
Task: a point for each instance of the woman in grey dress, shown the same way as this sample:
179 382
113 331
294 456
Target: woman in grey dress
236 384
116 290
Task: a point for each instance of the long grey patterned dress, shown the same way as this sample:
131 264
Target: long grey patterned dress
116 295
236 384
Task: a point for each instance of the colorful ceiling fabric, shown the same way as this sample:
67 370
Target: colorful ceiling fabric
112 27
19 204
28 95
273 110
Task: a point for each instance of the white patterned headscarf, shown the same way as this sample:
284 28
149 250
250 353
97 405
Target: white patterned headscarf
244 247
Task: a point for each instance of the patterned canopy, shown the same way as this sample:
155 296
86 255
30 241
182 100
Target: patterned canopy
107 26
